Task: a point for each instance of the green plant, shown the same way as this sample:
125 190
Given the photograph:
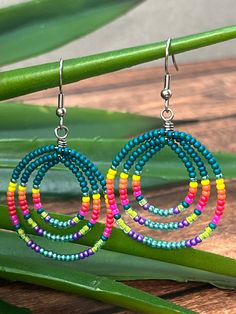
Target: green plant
189 264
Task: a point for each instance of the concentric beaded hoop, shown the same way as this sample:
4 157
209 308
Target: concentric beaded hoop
138 151
90 179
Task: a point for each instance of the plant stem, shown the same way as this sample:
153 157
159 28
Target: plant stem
35 78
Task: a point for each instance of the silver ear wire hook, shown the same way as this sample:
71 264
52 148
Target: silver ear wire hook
167 114
168 45
61 111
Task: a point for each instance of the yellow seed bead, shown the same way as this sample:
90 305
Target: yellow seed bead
110 176
44 214
180 207
189 219
12 184
209 230
20 231
201 236
220 181
124 175
194 216
22 188
85 228
35 191
94 249
132 213
76 219
11 189
193 184
82 231
143 202
112 171
34 224
96 196
30 221
85 199
135 177
220 186
127 229
205 182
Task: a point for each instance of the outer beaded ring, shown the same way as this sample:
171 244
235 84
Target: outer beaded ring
147 145
185 204
47 157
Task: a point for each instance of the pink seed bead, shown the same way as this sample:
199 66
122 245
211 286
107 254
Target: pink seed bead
115 212
113 207
188 200
137 193
26 212
14 217
92 221
15 222
37 206
125 202
199 207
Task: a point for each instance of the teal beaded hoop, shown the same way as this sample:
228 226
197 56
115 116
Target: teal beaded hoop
138 152
47 157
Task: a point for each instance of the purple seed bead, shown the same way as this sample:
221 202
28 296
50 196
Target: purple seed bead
75 236
29 243
176 210
188 243
86 254
140 238
40 231
185 223
142 220
135 236
33 246
72 223
131 233
180 224
37 248
137 218
146 206
36 228
198 240
81 255
79 234
193 242
47 218
90 251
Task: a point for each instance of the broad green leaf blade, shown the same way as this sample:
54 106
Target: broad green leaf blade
31 79
119 242
165 168
31 28
106 263
12 309
70 278
19 120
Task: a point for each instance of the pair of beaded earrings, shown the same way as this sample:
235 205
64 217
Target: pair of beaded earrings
134 155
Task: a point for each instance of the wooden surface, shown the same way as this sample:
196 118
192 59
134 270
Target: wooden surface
204 91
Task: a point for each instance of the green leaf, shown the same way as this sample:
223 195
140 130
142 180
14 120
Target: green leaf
31 79
119 242
32 28
18 264
163 169
12 309
40 121
106 263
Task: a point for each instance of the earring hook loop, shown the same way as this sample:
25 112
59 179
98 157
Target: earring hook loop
167 55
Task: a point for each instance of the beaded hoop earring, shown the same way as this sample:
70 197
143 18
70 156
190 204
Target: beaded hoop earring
138 151
90 179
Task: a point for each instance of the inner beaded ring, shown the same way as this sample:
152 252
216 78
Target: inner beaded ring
185 204
186 139
37 203
136 187
70 158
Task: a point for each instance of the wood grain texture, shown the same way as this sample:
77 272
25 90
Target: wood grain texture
204 91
